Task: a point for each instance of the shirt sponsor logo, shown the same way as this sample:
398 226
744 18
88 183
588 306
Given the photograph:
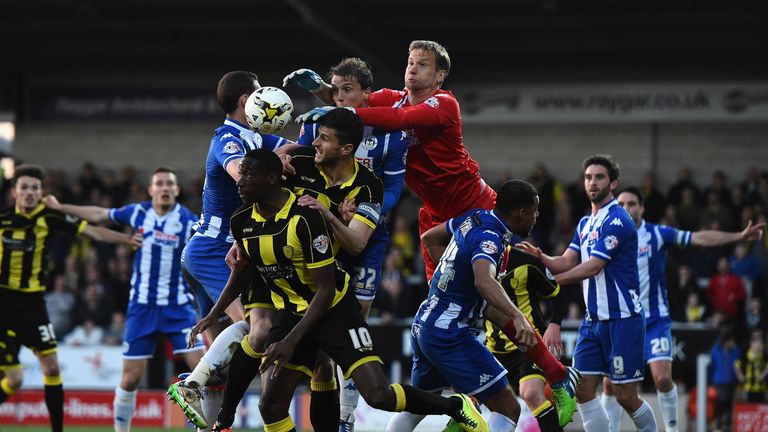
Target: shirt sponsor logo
611 242
277 271
644 251
163 239
489 247
231 147
365 161
22 245
321 243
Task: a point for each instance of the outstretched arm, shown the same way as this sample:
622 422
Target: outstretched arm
310 81
92 214
556 264
719 238
109 236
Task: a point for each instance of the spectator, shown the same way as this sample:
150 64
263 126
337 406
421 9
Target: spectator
59 303
746 265
694 310
550 195
752 369
114 333
93 305
675 193
719 188
87 334
393 301
755 317
404 241
716 210
655 204
688 210
722 371
751 185
726 292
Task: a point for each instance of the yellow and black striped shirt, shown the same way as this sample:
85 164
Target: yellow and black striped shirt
284 248
24 245
526 281
753 364
363 187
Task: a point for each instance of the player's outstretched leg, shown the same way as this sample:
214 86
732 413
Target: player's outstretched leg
188 397
564 393
376 391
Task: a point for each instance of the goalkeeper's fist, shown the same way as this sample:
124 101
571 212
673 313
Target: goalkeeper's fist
306 79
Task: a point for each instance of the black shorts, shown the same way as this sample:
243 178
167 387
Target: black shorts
257 295
519 368
342 333
23 321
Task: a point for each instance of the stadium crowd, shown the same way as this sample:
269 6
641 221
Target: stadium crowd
91 281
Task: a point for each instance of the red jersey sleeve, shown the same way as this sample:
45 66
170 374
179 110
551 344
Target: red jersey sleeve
385 97
439 110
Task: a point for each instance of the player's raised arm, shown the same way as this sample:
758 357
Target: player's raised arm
719 238
310 81
110 236
92 214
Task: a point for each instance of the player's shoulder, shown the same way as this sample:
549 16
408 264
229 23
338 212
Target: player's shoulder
519 258
304 154
7 212
366 176
442 98
241 214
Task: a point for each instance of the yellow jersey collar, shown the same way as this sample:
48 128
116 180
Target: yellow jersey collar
31 214
347 183
282 214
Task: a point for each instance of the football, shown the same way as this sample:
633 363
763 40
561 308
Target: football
268 110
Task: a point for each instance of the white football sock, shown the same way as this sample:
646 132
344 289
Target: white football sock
501 423
123 406
668 407
218 356
348 400
613 410
593 415
644 419
404 422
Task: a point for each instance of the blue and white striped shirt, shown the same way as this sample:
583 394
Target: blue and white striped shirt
609 235
453 301
232 140
157 278
652 242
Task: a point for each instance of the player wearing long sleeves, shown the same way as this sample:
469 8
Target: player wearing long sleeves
439 168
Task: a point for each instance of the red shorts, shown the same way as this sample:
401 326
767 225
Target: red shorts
427 220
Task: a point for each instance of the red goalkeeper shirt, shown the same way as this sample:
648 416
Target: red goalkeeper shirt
438 167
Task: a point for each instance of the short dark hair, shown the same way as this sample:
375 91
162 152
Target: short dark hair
25 170
515 194
605 160
348 126
443 60
634 191
265 160
353 67
164 169
233 85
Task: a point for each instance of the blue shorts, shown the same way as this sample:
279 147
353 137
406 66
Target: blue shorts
365 269
612 348
443 359
205 270
144 323
658 339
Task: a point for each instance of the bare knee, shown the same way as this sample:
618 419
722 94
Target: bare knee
533 396
273 410
663 382
15 378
